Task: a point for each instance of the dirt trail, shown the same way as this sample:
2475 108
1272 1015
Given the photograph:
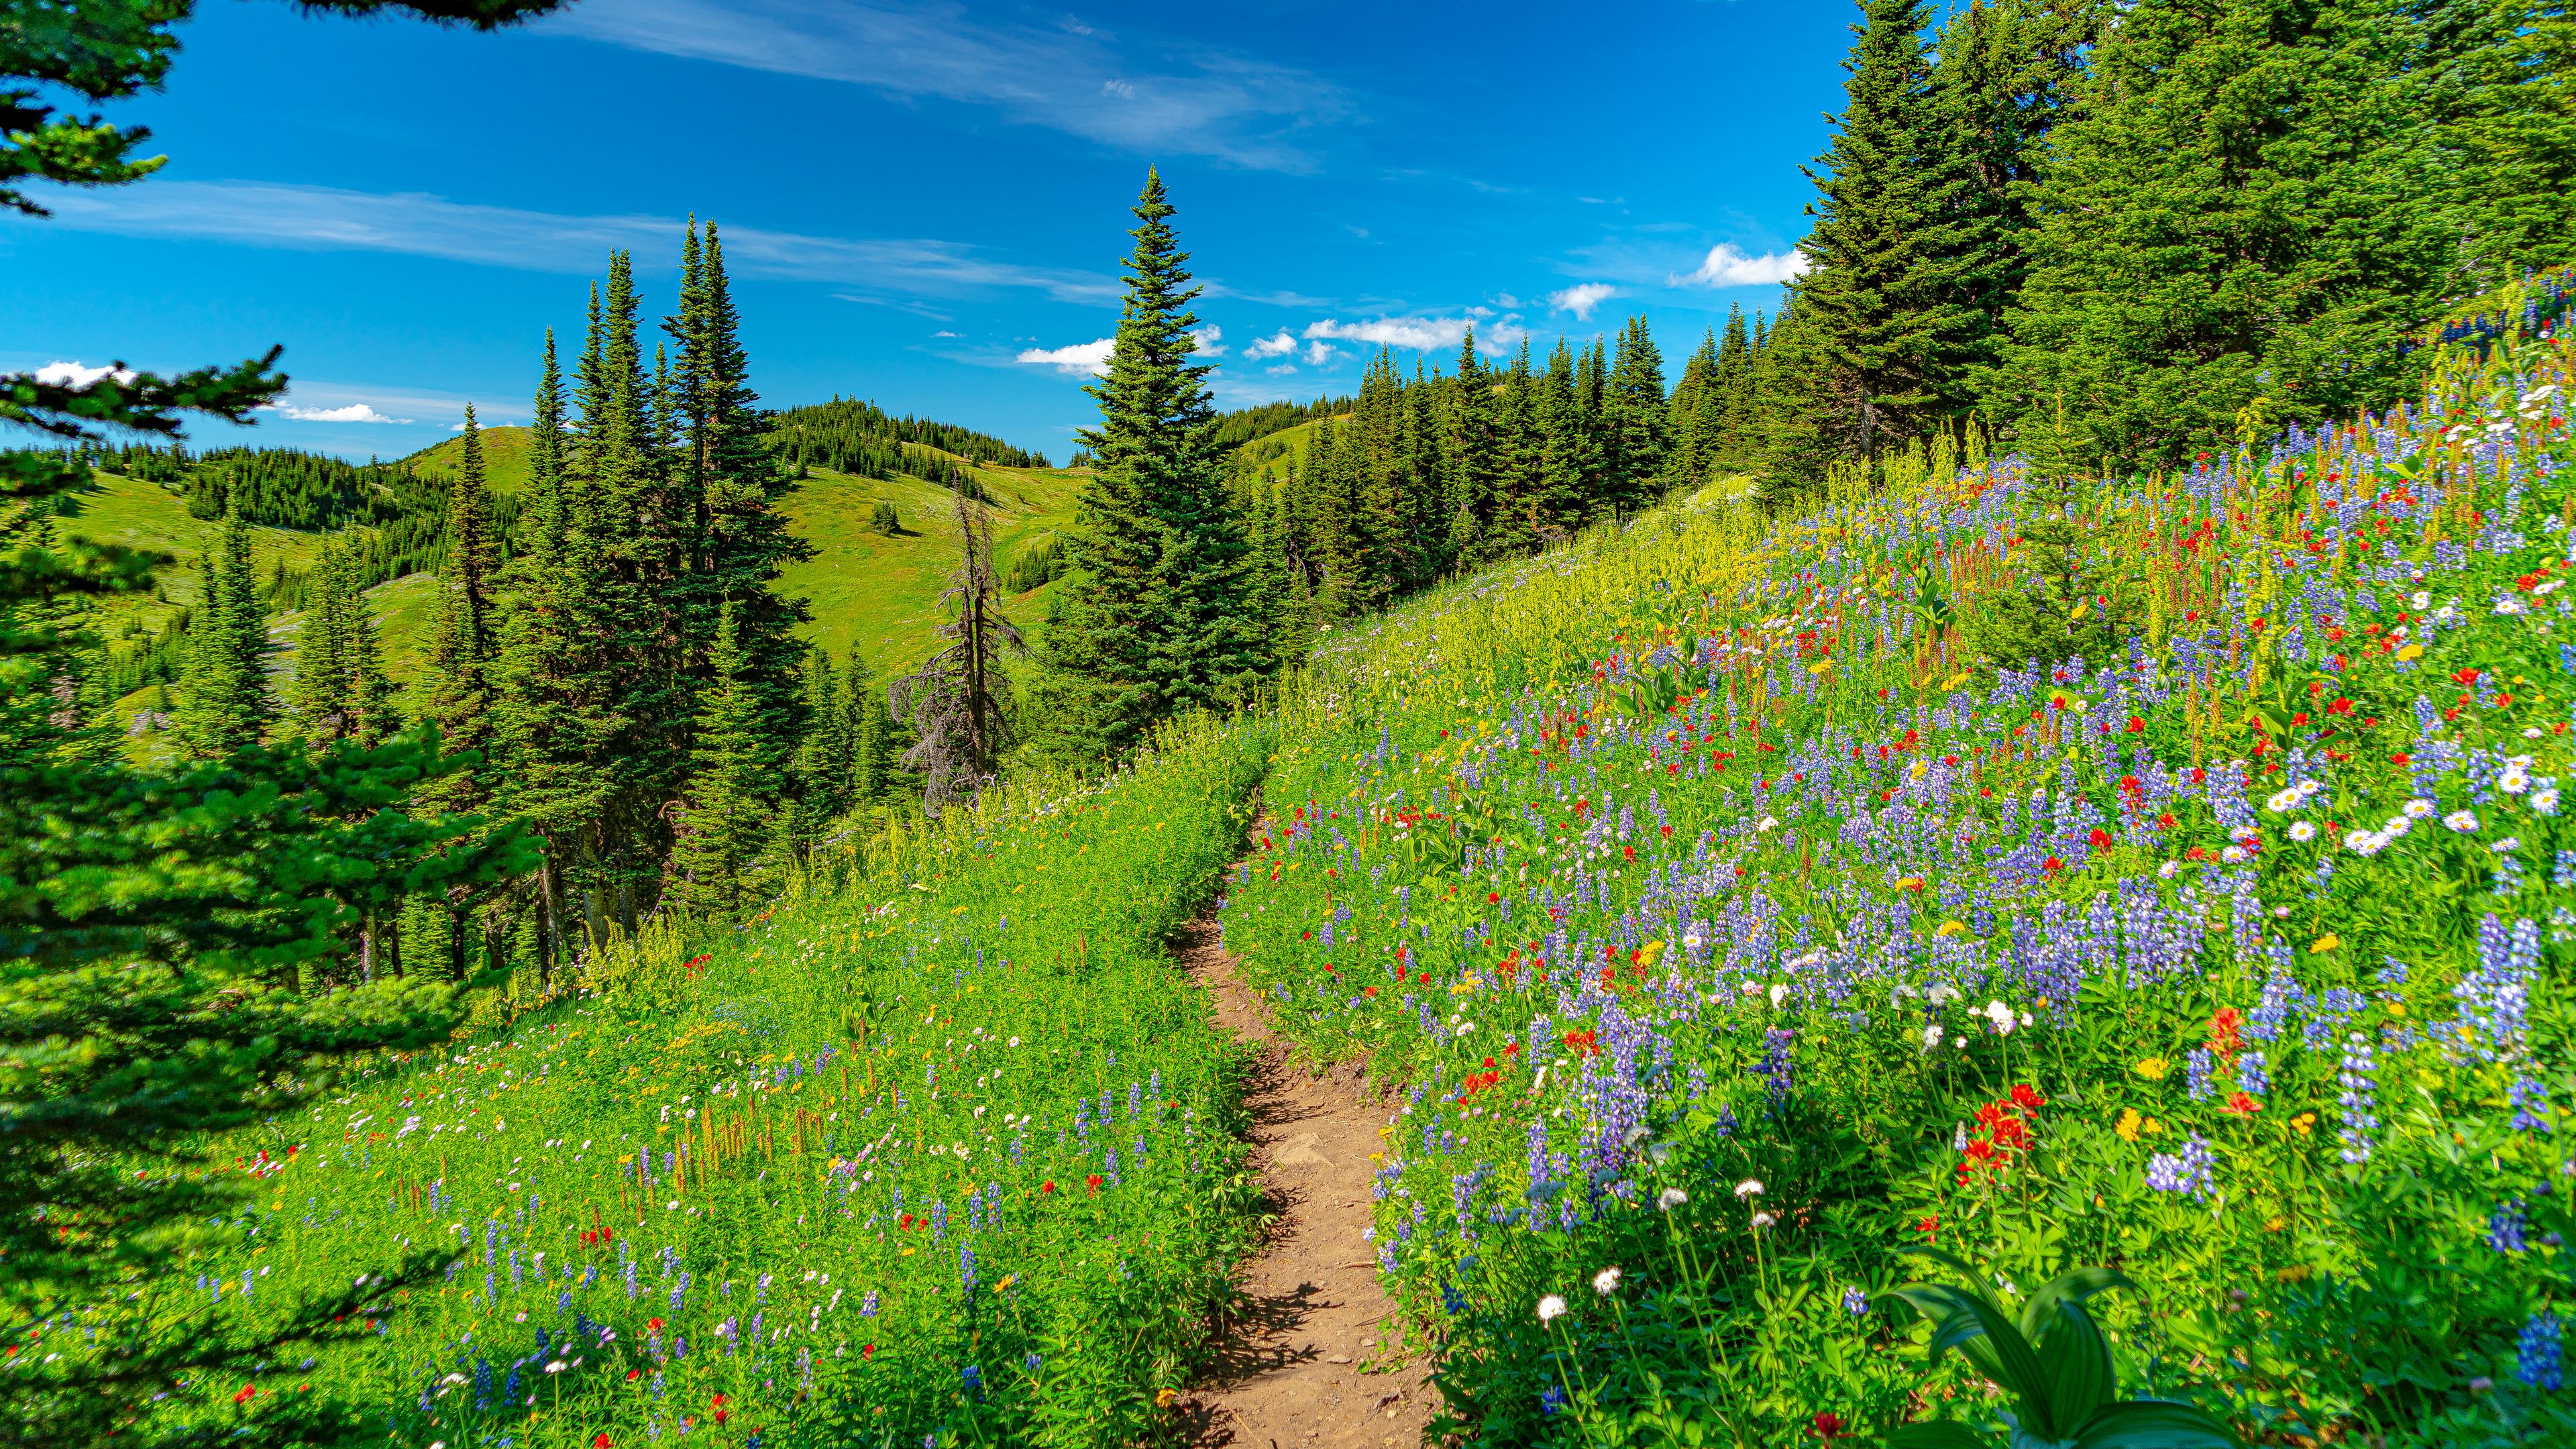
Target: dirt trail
1309 1359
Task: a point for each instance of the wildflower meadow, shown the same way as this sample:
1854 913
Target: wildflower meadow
1741 949
1735 948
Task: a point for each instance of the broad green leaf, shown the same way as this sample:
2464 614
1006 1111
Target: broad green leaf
2153 1424
1984 1334
2077 1360
2071 1287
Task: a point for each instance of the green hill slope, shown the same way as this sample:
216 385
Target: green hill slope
877 591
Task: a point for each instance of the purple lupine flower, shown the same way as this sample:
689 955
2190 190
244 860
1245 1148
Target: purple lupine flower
2540 1359
2192 1170
2508 1226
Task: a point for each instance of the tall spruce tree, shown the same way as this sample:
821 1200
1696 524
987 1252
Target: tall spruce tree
224 700
1878 308
1637 418
727 473
339 690
457 687
1155 614
722 825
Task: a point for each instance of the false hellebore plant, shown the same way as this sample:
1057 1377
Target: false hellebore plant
2056 1365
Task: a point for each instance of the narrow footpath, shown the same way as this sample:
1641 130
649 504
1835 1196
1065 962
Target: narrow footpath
1308 1359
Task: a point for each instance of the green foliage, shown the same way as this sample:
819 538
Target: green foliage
2054 1362
225 701
883 519
2056 603
723 827
1154 616
850 436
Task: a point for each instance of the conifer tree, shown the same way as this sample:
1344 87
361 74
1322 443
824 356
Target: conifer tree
340 690
722 825
1155 613
728 474
870 728
1637 419
145 1007
1735 444
1697 414
1564 460
224 700
1875 306
458 684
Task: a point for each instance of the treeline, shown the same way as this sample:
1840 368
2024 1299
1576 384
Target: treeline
2119 235
1243 425
847 435
1422 476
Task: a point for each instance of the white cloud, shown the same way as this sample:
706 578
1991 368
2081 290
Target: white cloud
1277 346
323 218
1421 334
352 413
1319 354
1581 299
1210 340
943 334
1075 360
1284 369
1148 96
1725 266
73 374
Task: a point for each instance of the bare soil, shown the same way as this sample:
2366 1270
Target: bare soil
1309 1356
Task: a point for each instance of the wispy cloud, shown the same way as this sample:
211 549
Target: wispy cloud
323 218
1420 334
1076 360
1582 298
1727 266
351 413
1136 94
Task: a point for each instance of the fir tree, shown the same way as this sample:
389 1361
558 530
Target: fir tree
871 732
340 690
1737 444
1637 419
1155 613
142 1007
1879 317
722 824
224 700
457 688
735 483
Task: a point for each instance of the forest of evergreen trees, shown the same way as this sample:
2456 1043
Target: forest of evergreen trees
850 436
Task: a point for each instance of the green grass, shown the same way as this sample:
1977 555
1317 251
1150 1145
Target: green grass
883 593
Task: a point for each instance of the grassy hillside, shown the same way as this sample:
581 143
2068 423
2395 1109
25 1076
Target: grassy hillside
877 591
882 592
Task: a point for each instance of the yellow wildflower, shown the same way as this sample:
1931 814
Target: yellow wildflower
2153 1069
2128 1127
2152 1127
2304 1123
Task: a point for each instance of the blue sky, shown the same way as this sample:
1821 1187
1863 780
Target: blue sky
925 204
